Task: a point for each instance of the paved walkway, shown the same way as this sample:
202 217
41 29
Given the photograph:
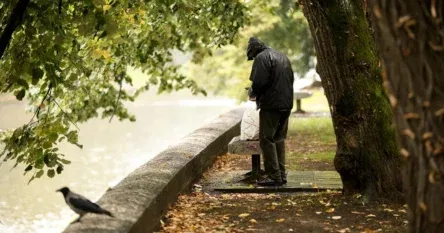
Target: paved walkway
298 181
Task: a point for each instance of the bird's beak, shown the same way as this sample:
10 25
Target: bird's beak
58 190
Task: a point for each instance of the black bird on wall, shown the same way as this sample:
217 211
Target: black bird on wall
80 204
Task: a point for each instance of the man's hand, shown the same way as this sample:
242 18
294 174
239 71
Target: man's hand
251 95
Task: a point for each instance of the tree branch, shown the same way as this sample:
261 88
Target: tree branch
37 112
118 96
13 22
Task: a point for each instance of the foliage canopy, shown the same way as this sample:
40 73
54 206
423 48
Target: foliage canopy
69 58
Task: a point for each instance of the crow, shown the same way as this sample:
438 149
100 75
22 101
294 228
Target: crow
80 204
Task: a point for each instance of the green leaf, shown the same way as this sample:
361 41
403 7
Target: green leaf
47 144
39 164
53 136
32 178
28 168
20 94
51 173
37 74
23 83
64 161
39 174
59 169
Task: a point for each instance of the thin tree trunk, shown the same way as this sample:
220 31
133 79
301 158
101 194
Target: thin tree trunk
13 22
410 37
366 156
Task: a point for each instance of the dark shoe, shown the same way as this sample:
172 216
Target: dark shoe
284 178
270 182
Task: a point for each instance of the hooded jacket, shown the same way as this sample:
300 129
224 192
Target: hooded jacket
272 77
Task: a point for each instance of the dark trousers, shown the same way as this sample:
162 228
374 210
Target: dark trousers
273 127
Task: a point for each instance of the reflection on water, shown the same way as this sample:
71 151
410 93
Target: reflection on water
110 152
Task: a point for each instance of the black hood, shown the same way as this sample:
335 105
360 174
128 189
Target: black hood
255 46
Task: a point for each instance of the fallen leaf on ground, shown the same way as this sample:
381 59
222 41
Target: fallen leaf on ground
366 230
280 220
357 212
318 212
253 220
331 210
388 210
344 230
336 217
370 215
243 215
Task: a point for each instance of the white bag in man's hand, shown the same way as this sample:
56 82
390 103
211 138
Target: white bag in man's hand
250 125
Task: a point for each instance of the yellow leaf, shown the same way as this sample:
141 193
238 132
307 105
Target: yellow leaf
280 220
243 215
344 230
253 220
368 230
106 7
97 53
331 210
106 54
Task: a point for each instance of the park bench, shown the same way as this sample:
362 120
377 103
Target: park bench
298 96
247 147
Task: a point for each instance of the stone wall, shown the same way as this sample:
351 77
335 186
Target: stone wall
142 198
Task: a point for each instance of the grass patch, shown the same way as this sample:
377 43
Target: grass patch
317 128
311 144
321 155
319 161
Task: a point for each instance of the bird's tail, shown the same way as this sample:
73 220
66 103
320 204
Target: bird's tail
106 212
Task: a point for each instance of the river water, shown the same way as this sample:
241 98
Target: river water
110 152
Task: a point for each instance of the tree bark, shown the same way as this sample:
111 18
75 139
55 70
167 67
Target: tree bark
13 22
410 38
367 155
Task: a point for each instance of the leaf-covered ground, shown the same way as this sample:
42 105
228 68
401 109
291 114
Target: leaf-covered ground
310 146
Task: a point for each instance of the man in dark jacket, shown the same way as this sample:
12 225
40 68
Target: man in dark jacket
272 89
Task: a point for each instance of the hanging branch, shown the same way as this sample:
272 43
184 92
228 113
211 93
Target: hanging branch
118 96
37 112
64 113
13 22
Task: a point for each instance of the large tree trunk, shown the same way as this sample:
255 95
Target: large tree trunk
411 38
367 156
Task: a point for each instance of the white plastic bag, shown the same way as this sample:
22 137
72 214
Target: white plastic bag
250 125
